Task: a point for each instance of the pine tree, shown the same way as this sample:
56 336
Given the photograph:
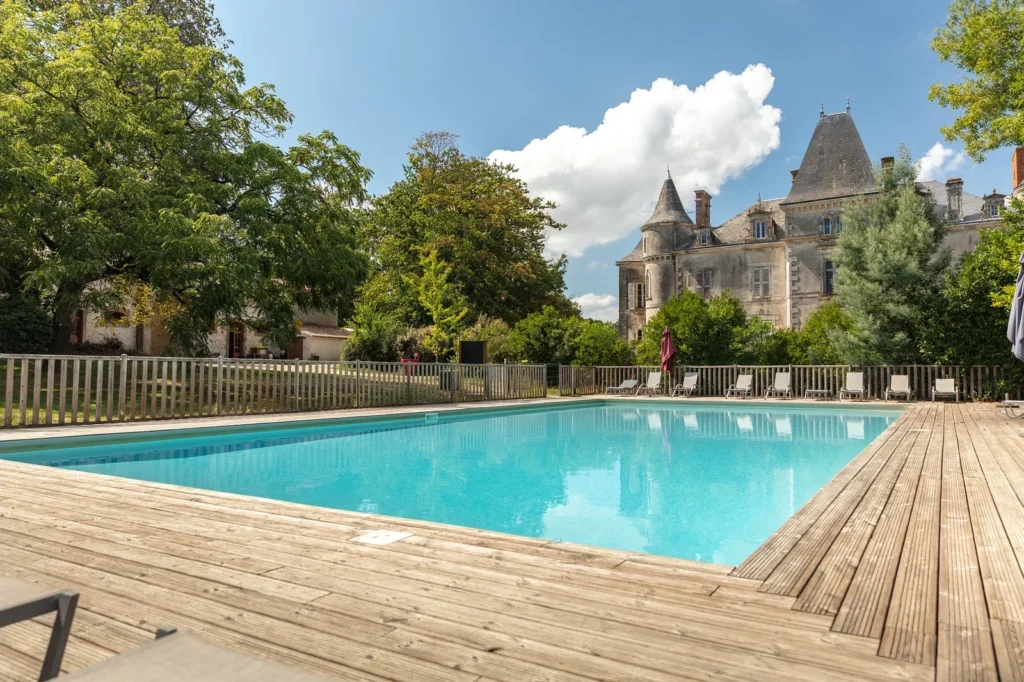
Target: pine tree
890 266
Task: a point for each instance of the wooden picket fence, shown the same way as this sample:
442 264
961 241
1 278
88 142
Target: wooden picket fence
44 390
977 382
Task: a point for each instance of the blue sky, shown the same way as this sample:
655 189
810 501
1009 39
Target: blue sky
499 75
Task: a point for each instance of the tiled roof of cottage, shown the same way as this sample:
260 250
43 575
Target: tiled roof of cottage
835 163
670 208
735 230
320 331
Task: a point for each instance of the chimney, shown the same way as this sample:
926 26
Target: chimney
703 208
954 198
1018 167
888 162
793 173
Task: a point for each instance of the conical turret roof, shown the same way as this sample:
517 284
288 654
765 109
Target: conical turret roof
670 208
835 163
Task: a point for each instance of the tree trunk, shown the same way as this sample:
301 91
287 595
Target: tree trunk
65 306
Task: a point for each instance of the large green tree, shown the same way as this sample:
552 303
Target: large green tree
890 264
970 316
984 40
704 332
479 219
133 165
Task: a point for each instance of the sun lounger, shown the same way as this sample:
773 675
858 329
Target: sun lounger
181 657
780 387
945 388
652 385
854 385
899 385
742 386
688 386
1014 408
627 386
22 600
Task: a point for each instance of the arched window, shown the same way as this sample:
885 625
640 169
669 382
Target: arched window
645 244
647 286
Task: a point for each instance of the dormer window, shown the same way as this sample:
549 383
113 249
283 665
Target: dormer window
993 210
703 238
760 230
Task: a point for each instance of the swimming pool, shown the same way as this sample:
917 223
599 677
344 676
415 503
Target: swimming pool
704 482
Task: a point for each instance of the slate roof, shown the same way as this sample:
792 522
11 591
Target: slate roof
670 208
835 163
735 230
970 204
637 254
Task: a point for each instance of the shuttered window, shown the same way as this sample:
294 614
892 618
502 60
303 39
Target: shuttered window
631 295
760 278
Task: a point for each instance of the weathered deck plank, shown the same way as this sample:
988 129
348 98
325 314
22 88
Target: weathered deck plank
908 565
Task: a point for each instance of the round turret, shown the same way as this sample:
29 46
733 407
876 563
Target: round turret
668 226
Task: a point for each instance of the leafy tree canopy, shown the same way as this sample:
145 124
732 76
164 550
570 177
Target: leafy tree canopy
816 342
984 39
704 332
131 158
479 219
972 312
890 266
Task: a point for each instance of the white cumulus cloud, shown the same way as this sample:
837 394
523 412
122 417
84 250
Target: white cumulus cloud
604 307
606 181
938 162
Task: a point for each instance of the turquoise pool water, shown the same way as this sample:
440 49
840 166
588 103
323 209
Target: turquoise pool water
705 482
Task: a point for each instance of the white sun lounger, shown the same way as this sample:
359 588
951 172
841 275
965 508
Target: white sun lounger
899 385
742 386
652 385
627 386
780 387
854 385
1014 408
688 386
945 388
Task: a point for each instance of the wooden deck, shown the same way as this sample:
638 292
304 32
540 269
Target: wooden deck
907 565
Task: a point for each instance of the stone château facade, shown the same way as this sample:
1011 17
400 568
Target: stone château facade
776 256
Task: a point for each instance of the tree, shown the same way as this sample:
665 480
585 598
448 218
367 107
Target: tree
816 342
480 220
983 39
703 331
444 304
496 333
193 19
971 314
890 264
599 344
131 159
758 343
547 336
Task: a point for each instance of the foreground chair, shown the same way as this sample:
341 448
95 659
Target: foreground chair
854 385
780 387
899 385
652 385
688 386
742 386
945 388
181 657
627 386
21 600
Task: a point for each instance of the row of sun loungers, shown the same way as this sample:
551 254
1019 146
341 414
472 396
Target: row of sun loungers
171 657
899 387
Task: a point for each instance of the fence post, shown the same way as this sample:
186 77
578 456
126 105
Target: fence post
220 381
298 386
408 384
123 386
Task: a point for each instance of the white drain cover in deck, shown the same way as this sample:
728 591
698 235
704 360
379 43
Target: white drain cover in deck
381 537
